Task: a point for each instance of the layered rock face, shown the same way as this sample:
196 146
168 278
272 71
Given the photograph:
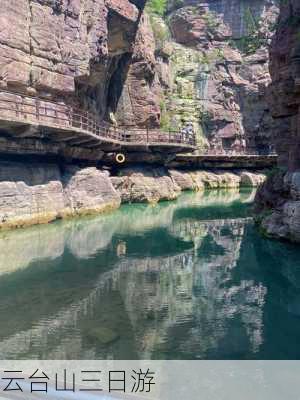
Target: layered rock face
278 200
138 103
156 184
40 193
105 57
66 49
212 64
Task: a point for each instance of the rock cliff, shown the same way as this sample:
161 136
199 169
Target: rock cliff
205 62
278 200
69 50
212 69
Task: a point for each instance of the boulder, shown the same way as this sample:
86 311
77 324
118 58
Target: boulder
182 179
39 193
145 185
249 179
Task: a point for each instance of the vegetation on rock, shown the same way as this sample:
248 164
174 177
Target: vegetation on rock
157 7
254 39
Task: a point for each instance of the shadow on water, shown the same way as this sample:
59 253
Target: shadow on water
186 279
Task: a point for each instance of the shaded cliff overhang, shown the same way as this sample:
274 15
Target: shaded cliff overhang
124 9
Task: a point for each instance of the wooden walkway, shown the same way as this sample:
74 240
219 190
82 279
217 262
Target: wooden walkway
81 128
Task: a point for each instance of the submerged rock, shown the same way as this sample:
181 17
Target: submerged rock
103 335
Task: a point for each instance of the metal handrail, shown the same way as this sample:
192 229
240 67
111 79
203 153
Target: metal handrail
38 111
247 152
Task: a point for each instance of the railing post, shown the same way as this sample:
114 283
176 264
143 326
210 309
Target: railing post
70 114
37 109
17 110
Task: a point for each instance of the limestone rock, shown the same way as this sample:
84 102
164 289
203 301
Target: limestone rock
68 51
250 179
40 193
278 206
138 104
88 191
145 185
182 179
211 180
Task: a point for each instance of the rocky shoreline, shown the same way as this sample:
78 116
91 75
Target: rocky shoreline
278 202
40 193
278 206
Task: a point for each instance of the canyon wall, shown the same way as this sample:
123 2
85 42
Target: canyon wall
217 58
67 50
278 200
204 62
201 62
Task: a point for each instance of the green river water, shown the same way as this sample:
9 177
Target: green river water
189 279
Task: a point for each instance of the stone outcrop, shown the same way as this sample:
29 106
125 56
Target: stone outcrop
157 184
146 185
278 199
37 193
278 206
252 180
41 193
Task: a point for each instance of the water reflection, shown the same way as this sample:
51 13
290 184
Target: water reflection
184 279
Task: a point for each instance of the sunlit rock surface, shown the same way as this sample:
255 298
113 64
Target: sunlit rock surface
40 193
146 184
156 184
213 69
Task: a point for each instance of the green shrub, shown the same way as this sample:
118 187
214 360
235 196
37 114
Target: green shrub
158 7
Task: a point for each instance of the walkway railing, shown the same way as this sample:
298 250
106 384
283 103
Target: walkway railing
35 111
247 152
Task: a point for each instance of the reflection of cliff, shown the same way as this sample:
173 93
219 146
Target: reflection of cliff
191 294
86 236
127 284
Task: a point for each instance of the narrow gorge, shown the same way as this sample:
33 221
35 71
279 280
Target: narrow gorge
159 70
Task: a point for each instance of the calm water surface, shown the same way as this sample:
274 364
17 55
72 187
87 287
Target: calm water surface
190 279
